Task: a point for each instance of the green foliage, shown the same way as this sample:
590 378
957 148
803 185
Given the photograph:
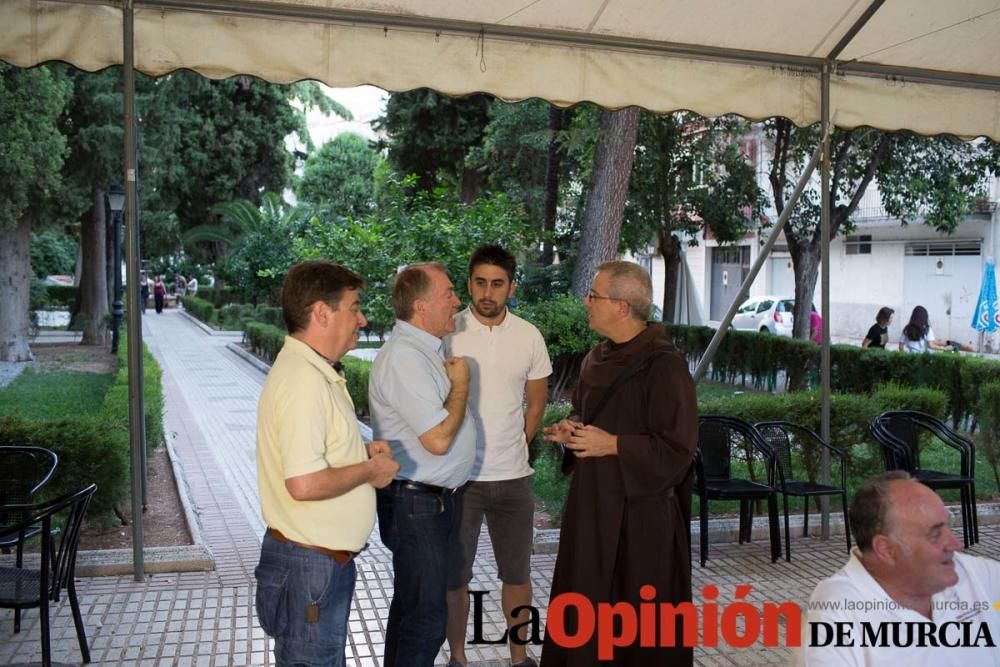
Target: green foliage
989 421
416 226
52 253
89 450
562 321
265 340
32 147
38 394
550 485
356 372
60 295
84 420
432 133
200 308
339 177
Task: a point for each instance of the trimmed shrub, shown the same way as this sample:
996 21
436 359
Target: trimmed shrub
265 340
60 295
356 371
989 419
90 449
549 484
269 315
116 406
200 308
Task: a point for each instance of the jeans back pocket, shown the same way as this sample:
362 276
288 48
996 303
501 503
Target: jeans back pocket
272 595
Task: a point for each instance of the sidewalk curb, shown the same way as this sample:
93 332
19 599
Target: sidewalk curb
116 562
726 529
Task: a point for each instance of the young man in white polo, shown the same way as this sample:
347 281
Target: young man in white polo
509 366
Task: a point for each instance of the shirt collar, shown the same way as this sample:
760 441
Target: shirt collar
473 323
424 339
300 349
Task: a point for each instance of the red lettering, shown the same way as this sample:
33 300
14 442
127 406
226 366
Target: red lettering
607 640
555 626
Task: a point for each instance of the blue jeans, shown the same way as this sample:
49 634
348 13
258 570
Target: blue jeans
415 526
289 579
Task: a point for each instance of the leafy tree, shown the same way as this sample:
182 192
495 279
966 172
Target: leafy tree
31 154
259 242
340 176
417 226
52 253
689 173
936 178
431 135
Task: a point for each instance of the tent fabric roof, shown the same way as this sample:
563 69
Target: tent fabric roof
924 65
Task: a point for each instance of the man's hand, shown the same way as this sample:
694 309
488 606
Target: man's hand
384 470
457 369
561 431
379 447
592 441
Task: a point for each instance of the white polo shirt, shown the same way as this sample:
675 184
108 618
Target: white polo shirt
967 602
501 359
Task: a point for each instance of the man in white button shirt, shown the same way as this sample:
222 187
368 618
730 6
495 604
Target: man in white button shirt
508 363
907 597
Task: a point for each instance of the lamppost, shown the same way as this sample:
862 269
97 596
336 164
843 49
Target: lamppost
116 199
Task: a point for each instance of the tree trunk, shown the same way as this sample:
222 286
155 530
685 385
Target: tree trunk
472 185
670 249
552 167
602 220
15 288
93 291
805 264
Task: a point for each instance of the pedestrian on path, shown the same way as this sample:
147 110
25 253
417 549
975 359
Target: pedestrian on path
508 362
418 403
878 334
159 292
316 477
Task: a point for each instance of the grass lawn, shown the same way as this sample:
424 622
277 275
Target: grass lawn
52 394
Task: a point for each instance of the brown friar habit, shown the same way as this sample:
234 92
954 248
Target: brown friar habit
626 519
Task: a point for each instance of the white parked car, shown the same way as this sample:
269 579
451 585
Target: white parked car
766 314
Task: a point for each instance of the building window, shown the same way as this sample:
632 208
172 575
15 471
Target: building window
859 245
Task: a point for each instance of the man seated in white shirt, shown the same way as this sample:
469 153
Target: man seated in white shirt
907 596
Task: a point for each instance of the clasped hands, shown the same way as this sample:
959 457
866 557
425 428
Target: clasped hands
384 467
583 439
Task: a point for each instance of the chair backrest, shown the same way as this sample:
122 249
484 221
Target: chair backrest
24 471
903 428
56 575
780 439
721 437
908 425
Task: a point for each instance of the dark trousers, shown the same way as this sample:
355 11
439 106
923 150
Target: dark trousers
415 526
158 302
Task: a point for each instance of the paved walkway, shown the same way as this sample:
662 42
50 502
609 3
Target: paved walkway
207 618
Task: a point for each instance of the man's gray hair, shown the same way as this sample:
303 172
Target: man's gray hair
412 283
631 283
871 508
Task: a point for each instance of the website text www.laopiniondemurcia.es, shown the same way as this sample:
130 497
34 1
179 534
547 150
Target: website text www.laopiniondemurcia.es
738 624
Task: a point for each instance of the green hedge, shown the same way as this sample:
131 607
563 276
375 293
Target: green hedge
95 448
265 340
757 359
200 308
356 371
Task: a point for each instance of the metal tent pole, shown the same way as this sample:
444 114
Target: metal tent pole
824 364
137 434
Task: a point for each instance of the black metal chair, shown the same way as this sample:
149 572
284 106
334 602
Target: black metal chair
720 440
786 439
24 471
26 588
899 433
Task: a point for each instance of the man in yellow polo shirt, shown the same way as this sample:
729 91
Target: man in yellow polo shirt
317 478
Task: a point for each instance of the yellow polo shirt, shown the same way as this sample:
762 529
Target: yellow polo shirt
306 423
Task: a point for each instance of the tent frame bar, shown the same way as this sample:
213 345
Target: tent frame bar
808 64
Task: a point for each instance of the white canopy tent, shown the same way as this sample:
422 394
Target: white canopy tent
923 65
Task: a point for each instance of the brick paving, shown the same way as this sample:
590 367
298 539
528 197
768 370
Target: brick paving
207 618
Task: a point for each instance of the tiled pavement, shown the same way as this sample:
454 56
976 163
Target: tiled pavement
207 618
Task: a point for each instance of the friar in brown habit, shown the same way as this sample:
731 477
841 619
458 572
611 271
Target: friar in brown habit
627 516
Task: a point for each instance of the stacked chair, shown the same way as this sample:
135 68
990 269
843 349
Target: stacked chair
899 434
722 441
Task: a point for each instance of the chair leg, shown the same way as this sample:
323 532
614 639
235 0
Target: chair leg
774 527
81 631
742 530
788 531
43 612
703 511
975 513
18 561
805 518
847 520
748 537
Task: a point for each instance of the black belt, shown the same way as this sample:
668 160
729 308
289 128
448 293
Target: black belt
420 487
